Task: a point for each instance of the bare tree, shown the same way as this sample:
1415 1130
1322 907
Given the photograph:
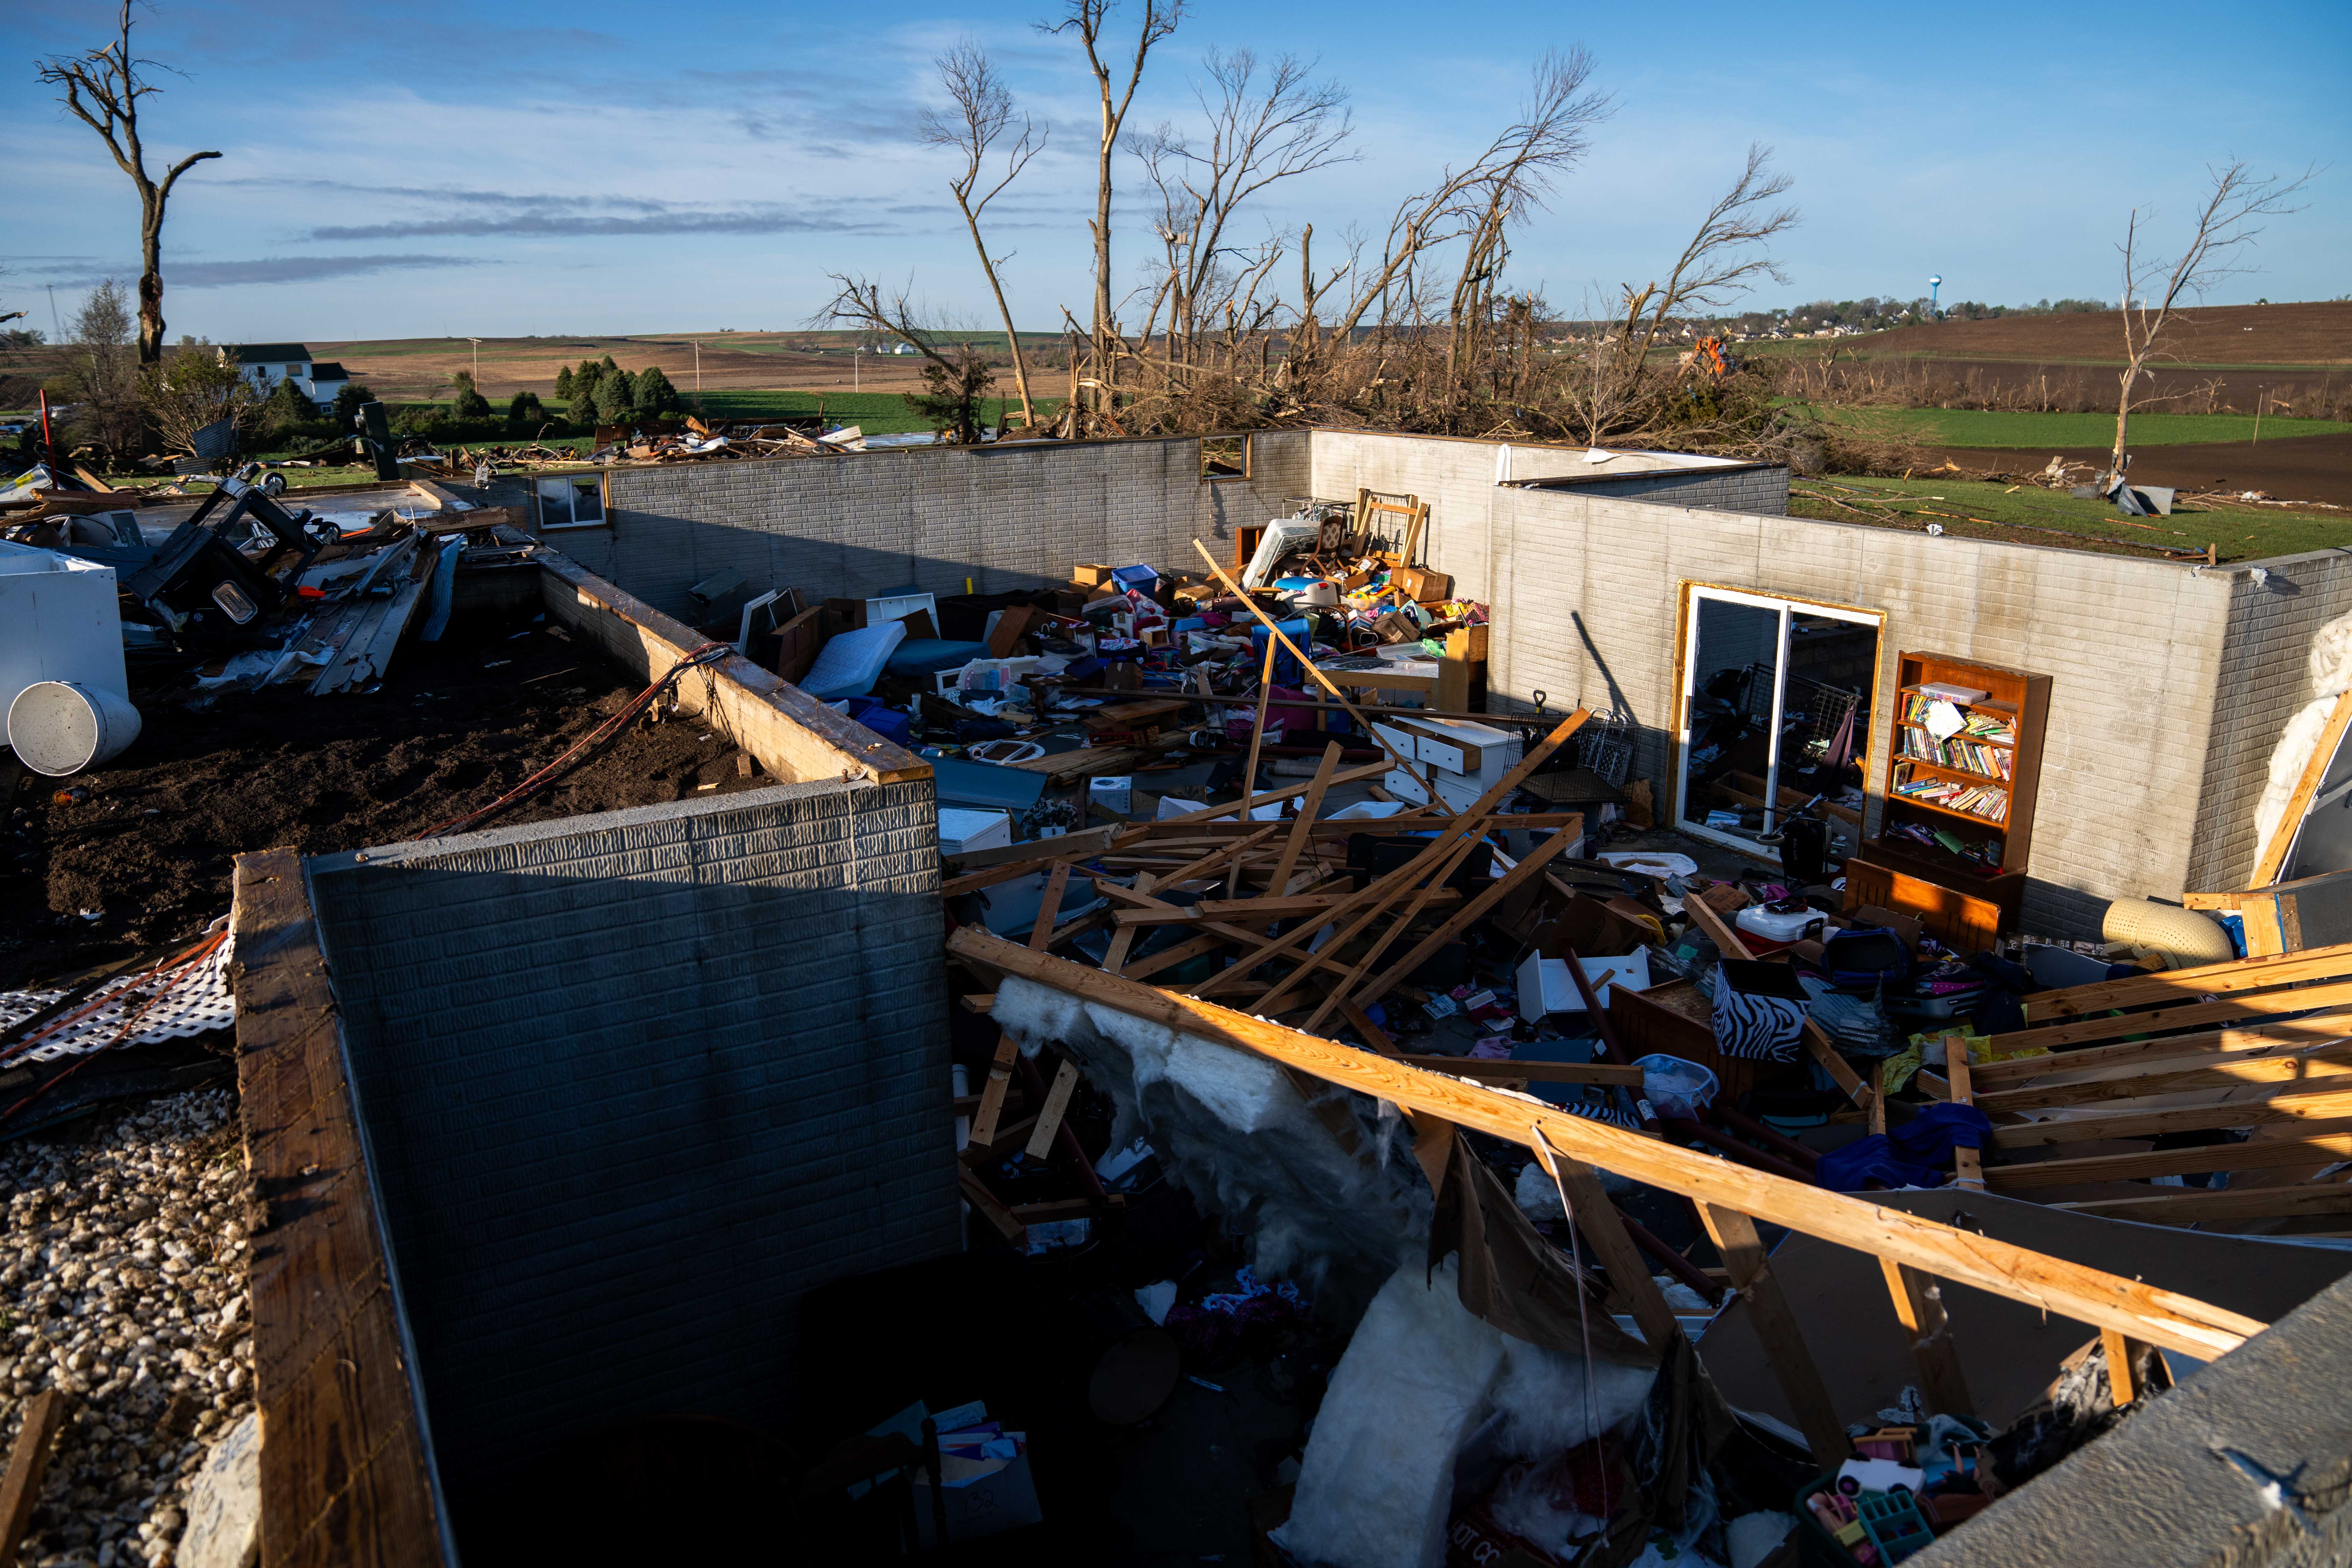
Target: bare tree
1476 203
955 373
1087 19
1259 131
103 88
2225 223
1721 262
981 116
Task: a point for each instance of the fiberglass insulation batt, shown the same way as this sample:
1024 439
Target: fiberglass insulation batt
2331 675
1231 1129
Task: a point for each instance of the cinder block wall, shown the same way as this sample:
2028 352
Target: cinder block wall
1459 480
2264 680
632 1084
1006 517
1587 601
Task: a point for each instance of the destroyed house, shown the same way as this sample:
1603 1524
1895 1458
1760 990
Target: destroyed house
1319 1062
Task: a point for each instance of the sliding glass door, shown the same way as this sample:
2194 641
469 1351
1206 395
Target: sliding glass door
1775 711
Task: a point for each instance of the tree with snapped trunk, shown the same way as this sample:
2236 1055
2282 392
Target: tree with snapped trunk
956 377
2153 287
102 88
980 114
1087 19
1261 128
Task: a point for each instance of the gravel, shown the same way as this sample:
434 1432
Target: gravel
122 1283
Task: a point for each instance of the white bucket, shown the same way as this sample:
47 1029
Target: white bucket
60 727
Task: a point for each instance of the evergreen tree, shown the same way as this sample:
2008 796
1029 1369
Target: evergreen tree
563 383
469 401
616 394
523 412
347 404
286 407
655 394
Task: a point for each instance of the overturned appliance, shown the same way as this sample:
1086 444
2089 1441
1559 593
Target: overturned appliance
206 587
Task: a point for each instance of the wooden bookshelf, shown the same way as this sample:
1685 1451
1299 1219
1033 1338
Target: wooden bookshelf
1967 884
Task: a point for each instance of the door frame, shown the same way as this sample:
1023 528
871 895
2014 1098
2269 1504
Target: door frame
1694 592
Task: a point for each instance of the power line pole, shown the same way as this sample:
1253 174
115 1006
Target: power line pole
57 331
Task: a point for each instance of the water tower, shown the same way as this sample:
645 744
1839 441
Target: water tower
1935 283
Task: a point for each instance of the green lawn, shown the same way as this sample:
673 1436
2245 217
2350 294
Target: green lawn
2048 432
2029 515
876 413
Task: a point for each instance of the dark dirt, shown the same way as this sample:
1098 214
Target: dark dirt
2307 467
455 725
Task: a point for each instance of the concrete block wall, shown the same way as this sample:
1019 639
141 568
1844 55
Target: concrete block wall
1007 518
1587 595
2264 682
1462 482
632 1084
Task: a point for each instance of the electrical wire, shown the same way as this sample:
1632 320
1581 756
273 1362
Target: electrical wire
108 998
181 969
708 654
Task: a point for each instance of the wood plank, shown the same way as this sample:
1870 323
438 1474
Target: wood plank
1056 882
1169 957
1310 805
29 1462
1434 862
2218 1042
1122 939
1069 846
1487 898
1208 816
1374 1035
1919 1305
2119 1359
343 1474
1533 1072
2223 1206
992 1092
2054 1284
1734 1234
1416 900
984 1203
1967 1165
2086 1031
1590 1210
2273 855
2227 978
1057 1102
1269 907
2325 1065
2330 1139
2280 1103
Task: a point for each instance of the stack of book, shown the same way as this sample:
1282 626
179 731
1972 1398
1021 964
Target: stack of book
1956 753
1984 801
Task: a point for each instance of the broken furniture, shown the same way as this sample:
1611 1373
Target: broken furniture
204 585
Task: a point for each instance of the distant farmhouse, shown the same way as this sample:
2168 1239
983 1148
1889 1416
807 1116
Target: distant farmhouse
264 365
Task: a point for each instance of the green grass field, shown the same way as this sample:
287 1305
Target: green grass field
2029 515
1977 427
876 413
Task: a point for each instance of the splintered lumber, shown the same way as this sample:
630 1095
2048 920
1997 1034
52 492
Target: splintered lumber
1207 815
2323 1065
2298 804
1919 1305
2280 1103
985 1203
2219 1042
2237 975
2054 1284
1310 805
1051 905
1084 841
1448 846
1083 761
1967 1165
1488 897
991 1093
1751 1268
2323 1142
1267 908
1169 957
2224 1206
2084 1031
1533 1072
1123 937
28 1461
1058 1104
1590 1210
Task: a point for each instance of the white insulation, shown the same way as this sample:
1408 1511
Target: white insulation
2331 677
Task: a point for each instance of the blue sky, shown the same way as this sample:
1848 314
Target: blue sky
422 168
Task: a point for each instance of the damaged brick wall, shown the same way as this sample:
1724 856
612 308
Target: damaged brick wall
632 1084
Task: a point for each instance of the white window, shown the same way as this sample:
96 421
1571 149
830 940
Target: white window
572 500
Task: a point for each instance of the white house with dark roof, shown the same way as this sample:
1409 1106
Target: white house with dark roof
264 365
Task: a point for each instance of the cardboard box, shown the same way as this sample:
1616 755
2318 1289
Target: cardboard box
1006 1499
1090 574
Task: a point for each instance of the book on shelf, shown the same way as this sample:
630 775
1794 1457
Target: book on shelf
1975 726
1985 801
1958 753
